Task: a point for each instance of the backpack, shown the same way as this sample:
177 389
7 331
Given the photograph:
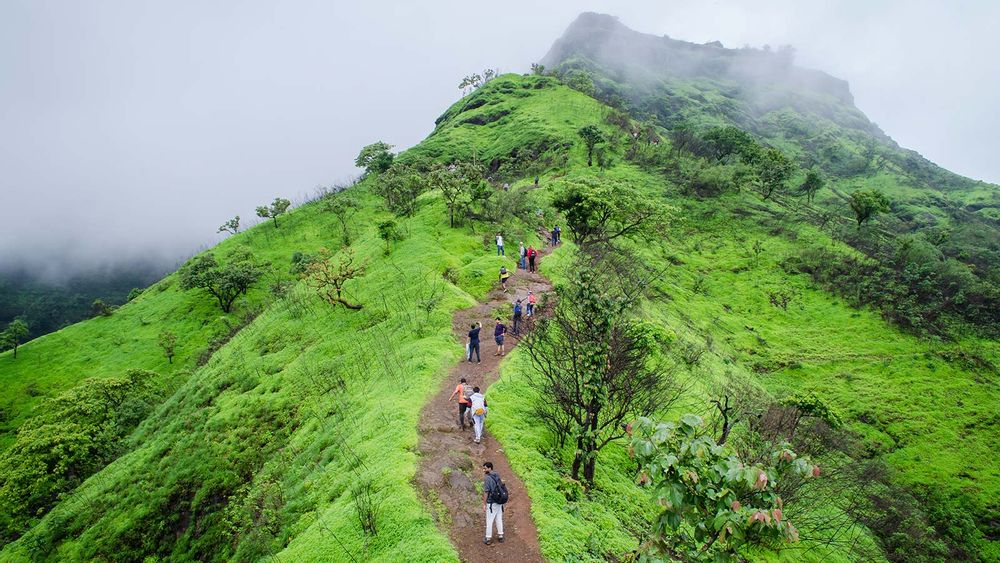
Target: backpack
467 393
498 494
517 310
532 253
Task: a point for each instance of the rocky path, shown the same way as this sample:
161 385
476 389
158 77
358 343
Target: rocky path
451 463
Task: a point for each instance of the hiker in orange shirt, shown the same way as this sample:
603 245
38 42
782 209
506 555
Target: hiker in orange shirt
463 390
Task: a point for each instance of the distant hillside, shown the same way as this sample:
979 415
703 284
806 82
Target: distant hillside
286 427
49 306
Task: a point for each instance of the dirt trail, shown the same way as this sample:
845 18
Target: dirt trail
451 463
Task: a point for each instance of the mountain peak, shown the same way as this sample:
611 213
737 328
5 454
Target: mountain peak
602 39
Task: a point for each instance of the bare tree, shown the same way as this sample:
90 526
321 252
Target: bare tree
597 367
328 276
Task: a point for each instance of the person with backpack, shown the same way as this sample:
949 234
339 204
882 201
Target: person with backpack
498 333
522 253
495 495
504 276
463 391
532 254
531 303
500 245
479 410
557 234
517 318
474 342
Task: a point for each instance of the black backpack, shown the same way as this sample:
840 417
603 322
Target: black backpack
498 494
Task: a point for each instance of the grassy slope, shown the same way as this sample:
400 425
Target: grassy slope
263 408
924 413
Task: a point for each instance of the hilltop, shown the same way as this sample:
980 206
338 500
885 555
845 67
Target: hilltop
278 424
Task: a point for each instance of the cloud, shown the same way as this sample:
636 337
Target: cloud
136 128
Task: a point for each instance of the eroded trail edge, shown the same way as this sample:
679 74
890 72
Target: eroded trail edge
451 463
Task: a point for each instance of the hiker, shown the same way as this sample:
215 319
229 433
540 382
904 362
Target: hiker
498 333
474 342
479 410
506 187
557 234
463 391
531 303
504 276
532 254
500 251
536 181
494 497
517 318
523 253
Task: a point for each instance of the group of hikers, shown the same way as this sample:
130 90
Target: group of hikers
472 404
527 255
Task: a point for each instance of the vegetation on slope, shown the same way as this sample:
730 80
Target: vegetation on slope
267 447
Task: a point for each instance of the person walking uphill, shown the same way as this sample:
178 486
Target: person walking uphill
479 410
498 333
522 255
463 390
518 312
504 276
532 254
500 245
474 342
532 300
494 497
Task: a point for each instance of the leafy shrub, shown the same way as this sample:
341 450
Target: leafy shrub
74 435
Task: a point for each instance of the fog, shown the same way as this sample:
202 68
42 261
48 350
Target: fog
134 129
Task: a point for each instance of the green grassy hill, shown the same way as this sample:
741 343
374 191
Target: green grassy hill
271 420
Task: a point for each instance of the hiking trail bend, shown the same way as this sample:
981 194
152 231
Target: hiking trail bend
451 462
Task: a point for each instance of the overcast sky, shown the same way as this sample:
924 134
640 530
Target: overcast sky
137 128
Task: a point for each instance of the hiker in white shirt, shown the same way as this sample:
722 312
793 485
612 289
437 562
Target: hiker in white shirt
500 251
479 410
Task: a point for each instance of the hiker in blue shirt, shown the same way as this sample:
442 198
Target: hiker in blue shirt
518 311
494 510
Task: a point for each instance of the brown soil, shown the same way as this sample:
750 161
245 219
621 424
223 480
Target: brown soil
451 462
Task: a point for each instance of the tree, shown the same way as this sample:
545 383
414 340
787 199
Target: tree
595 366
580 81
342 207
867 204
460 184
450 184
597 213
591 136
101 309
168 341
14 335
537 69
231 226
375 158
475 80
134 293
715 505
725 141
328 276
772 170
225 283
277 207
388 231
400 186
811 185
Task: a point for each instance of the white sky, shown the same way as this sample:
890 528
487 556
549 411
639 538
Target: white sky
133 127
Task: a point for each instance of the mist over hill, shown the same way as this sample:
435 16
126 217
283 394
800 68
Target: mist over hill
769 332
